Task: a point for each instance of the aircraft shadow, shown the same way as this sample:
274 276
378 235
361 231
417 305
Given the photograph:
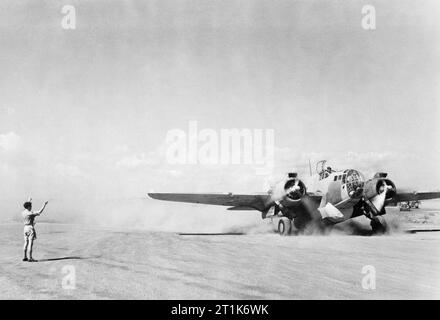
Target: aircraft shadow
422 230
354 231
213 234
65 258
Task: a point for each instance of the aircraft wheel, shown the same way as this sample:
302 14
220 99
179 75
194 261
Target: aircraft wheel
379 225
284 226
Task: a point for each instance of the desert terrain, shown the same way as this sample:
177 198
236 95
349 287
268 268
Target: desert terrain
120 263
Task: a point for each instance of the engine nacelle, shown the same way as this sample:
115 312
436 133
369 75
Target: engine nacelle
377 185
289 192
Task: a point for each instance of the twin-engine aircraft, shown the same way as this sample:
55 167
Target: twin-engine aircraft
325 198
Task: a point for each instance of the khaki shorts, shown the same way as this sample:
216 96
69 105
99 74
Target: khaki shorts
29 233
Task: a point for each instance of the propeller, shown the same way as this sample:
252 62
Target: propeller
294 192
379 200
294 187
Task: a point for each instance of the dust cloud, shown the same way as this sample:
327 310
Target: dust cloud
139 214
151 215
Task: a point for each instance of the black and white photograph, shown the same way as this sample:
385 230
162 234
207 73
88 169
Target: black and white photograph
219 150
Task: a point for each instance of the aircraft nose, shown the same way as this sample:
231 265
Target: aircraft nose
354 183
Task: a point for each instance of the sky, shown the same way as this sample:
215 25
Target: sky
84 113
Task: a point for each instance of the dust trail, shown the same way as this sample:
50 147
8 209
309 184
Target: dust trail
151 215
260 227
138 214
361 226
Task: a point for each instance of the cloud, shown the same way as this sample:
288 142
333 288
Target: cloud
288 157
10 142
175 173
136 160
68 170
130 159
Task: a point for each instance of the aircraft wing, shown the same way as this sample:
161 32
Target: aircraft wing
260 202
414 196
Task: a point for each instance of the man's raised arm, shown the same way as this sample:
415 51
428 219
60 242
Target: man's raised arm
42 209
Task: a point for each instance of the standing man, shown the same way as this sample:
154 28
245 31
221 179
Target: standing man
29 231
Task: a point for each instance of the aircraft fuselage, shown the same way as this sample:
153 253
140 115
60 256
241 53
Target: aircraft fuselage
331 196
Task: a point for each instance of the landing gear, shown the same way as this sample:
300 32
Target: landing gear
378 225
284 226
377 222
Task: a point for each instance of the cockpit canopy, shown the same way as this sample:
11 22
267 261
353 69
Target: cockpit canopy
322 170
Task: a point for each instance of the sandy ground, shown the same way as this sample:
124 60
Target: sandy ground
115 264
